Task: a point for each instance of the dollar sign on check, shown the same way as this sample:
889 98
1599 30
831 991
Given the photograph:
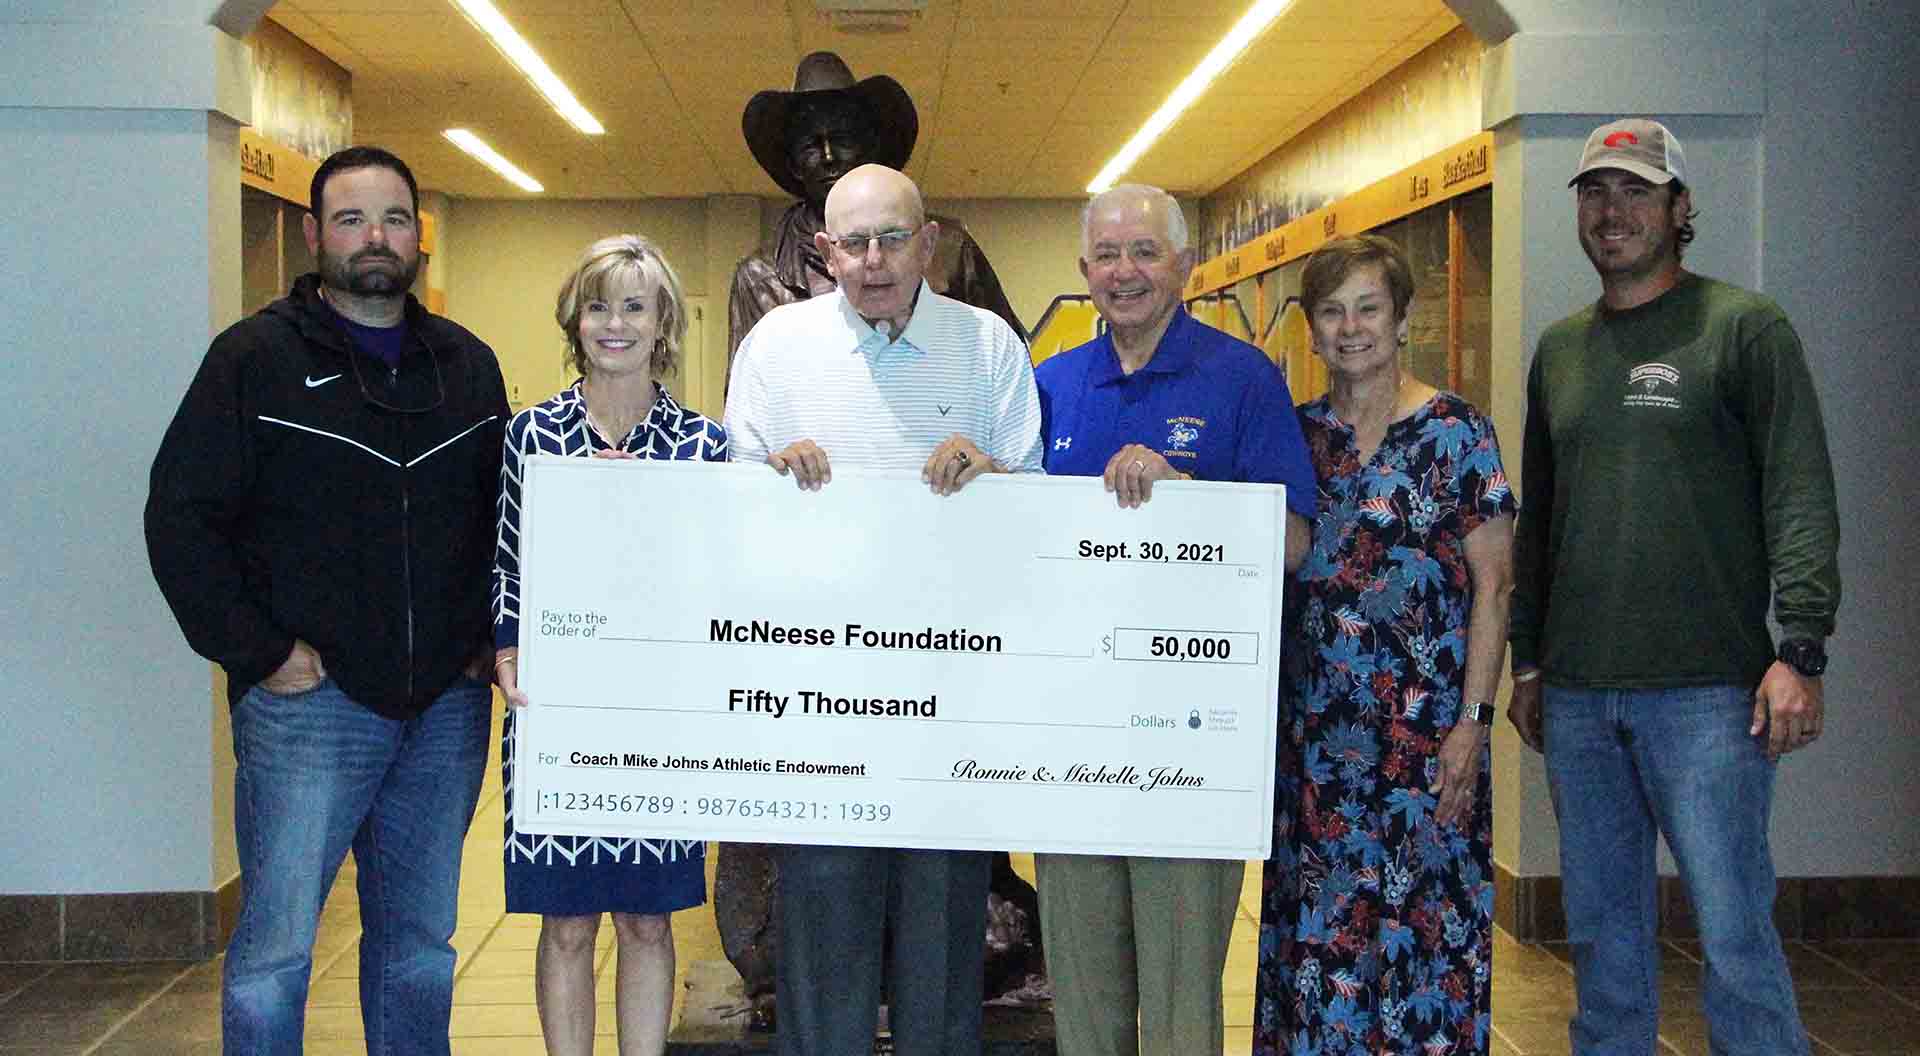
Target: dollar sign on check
1106 643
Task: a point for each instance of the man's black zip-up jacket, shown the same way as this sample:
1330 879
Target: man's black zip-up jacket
285 503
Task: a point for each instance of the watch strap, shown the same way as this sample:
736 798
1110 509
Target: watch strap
1808 656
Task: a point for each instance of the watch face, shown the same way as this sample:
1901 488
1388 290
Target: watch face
1805 656
1481 712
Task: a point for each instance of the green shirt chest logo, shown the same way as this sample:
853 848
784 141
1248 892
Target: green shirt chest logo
1652 385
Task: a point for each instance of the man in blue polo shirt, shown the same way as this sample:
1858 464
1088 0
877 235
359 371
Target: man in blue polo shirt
1160 396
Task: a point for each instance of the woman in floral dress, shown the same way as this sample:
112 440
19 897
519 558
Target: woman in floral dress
1376 927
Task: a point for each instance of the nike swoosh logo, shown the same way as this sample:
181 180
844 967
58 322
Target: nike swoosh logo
313 383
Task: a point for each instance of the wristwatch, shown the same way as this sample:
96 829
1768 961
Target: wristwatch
1480 711
1805 655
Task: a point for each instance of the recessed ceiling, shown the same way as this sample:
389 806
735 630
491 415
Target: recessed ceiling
1017 99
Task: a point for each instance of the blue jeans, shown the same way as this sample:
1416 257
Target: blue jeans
1622 764
316 773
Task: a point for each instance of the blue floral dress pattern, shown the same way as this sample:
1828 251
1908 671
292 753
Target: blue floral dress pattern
1376 923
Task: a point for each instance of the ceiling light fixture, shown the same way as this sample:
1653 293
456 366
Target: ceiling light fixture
871 16
1251 24
491 158
490 21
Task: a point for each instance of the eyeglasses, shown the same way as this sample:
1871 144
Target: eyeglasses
890 242
418 400
421 401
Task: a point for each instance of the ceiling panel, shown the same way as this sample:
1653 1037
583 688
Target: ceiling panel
692 10
595 30
1040 63
1187 29
1002 114
1058 8
1291 69
1044 26
626 79
409 42
304 26
1073 153
453 172
368 7
382 104
722 22
994 9
983 168
430 104
1015 97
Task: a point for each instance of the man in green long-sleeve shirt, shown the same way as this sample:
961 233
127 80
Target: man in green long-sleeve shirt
1676 476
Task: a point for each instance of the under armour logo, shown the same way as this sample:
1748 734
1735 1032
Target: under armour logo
1063 443
314 383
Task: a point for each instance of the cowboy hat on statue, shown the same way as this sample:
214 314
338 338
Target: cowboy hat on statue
806 139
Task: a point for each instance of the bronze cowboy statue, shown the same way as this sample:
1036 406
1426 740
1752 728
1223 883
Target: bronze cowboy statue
808 138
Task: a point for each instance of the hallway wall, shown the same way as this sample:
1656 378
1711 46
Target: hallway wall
120 205
1797 121
1842 256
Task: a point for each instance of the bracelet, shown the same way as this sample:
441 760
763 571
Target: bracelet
512 659
1528 675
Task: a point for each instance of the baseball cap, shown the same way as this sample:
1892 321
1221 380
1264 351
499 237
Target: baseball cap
1635 144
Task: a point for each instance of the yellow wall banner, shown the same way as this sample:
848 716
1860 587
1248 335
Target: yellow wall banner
1464 167
278 170
300 97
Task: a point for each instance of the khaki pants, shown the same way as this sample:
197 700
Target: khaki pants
1143 937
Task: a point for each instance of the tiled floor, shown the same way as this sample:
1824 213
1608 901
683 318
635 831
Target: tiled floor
1856 998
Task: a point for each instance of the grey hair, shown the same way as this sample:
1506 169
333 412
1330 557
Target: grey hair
1169 208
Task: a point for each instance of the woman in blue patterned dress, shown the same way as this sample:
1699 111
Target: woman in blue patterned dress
1376 924
624 320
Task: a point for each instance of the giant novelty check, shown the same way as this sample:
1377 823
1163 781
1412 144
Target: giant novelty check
712 653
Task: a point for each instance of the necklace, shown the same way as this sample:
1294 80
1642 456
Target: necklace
605 433
613 439
1392 410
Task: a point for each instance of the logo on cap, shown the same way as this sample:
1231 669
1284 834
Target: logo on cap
1621 139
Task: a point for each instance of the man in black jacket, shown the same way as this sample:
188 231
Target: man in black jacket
321 520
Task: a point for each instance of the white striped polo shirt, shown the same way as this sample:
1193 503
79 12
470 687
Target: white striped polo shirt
814 370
